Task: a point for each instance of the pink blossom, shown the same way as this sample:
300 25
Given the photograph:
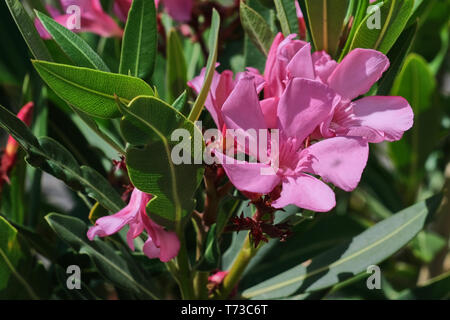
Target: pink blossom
8 158
160 244
375 118
221 87
303 105
179 10
93 19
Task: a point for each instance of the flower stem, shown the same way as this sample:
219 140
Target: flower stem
237 269
184 271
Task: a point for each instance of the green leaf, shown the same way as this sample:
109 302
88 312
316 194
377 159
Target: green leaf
287 15
151 168
110 264
72 45
358 15
426 245
176 67
211 255
326 22
416 84
54 159
28 30
396 57
10 252
210 67
180 103
393 17
257 29
140 40
344 261
436 288
89 90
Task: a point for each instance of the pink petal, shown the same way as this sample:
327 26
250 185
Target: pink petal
340 160
248 176
301 65
242 109
303 106
269 109
387 117
169 244
273 73
160 244
306 192
359 70
323 65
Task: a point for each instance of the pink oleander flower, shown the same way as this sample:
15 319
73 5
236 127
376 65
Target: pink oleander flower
302 107
179 10
9 156
221 87
375 118
160 244
92 19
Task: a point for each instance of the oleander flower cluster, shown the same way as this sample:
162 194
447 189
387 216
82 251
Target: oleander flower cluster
325 122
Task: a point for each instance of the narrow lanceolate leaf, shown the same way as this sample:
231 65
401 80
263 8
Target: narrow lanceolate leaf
349 259
170 169
140 41
48 155
287 15
89 90
326 22
176 77
28 30
257 29
381 28
9 251
111 265
72 45
210 67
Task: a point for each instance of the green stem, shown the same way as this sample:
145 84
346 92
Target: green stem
184 276
30 291
200 285
237 269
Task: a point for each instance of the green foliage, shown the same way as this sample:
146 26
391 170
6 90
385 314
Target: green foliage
256 28
111 265
10 252
176 67
72 45
326 23
394 15
89 90
48 155
104 98
416 84
28 31
339 263
140 41
173 185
